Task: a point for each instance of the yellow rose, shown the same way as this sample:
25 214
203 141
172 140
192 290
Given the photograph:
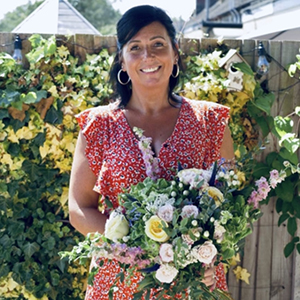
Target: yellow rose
215 194
116 227
154 229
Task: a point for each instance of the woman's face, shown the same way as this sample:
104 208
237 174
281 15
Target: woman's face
149 57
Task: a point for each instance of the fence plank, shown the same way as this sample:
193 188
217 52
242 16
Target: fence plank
250 263
282 268
264 253
83 44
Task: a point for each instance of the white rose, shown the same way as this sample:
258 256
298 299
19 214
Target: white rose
166 273
166 212
189 211
166 252
205 253
116 227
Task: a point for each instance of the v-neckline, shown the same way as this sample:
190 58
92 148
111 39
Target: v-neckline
135 138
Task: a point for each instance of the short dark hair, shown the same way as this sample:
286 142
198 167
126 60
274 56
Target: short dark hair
128 26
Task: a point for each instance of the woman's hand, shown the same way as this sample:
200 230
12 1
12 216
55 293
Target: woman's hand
209 277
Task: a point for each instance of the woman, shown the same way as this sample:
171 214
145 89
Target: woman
107 158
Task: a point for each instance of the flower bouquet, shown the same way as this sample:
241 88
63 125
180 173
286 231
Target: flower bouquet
171 231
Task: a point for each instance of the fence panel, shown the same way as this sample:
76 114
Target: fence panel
273 277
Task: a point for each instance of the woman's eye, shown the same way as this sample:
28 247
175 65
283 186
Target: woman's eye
134 48
158 44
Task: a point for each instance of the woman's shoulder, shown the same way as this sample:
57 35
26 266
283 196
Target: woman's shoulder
96 116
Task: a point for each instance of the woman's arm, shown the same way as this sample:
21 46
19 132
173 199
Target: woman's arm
83 201
226 150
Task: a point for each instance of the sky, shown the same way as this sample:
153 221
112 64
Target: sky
174 8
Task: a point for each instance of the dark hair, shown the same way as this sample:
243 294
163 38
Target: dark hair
128 26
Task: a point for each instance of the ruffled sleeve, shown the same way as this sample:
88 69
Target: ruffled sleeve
93 125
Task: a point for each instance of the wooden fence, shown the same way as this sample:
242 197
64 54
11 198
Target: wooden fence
273 277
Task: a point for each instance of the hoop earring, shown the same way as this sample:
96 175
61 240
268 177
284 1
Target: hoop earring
177 71
119 78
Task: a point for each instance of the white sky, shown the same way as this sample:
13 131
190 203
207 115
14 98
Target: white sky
175 8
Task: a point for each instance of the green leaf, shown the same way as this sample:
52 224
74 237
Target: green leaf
3 188
298 248
50 47
283 218
14 149
296 206
29 98
289 248
290 142
244 67
285 190
49 244
31 248
265 123
265 102
31 169
283 125
287 155
297 111
54 116
292 226
292 70
108 203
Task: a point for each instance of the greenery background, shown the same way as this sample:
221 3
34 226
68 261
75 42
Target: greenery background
38 135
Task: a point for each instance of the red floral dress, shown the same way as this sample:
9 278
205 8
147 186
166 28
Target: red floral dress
116 160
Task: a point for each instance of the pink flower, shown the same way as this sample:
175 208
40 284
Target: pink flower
254 198
189 211
276 178
166 252
166 212
205 253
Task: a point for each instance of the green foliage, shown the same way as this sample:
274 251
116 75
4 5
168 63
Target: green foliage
37 141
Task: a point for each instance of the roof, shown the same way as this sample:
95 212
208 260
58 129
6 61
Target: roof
56 17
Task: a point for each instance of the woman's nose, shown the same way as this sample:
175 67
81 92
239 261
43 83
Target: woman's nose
148 53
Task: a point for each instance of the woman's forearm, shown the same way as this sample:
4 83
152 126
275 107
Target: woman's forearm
87 220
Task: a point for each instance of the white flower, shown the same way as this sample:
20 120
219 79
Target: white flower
166 252
126 239
195 223
189 211
116 227
205 253
206 234
166 273
193 176
166 212
219 232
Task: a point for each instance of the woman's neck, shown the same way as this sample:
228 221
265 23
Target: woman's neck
148 103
